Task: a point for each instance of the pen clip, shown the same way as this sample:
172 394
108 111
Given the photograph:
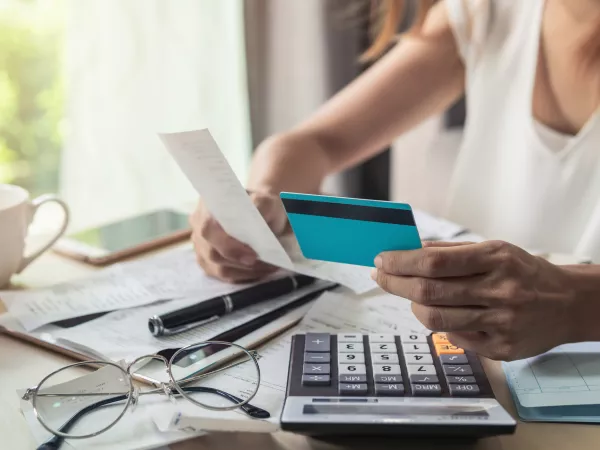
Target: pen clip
189 326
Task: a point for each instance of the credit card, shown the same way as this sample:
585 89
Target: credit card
349 230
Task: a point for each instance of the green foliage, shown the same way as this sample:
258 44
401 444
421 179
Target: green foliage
31 93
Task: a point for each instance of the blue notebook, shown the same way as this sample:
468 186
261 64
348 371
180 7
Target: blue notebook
562 385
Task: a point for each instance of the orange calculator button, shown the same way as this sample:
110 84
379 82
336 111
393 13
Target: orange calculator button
448 349
440 338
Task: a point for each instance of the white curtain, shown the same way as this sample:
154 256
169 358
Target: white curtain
138 67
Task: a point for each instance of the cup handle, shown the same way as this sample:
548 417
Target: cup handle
35 204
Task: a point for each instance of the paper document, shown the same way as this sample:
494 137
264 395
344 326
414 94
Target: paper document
175 274
566 375
434 228
332 313
124 335
106 292
200 159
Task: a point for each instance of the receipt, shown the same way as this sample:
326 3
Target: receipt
200 159
106 292
331 313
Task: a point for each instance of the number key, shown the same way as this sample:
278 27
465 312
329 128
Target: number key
413 338
352 369
386 369
384 358
350 347
418 359
383 348
415 369
351 358
415 348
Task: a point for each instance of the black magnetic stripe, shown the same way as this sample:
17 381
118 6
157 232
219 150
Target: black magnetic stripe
345 211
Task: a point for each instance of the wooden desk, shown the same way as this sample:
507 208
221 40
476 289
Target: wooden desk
23 365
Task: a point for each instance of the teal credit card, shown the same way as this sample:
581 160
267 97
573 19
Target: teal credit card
349 230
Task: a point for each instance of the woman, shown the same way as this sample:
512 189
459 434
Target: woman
528 171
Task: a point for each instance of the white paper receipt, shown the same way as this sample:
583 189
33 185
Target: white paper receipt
200 159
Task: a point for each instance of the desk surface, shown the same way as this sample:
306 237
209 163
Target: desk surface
22 364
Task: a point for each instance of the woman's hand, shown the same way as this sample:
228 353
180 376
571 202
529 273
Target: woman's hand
223 256
491 297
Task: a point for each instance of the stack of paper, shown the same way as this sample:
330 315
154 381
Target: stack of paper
562 385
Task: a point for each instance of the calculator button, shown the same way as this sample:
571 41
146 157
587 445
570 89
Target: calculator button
418 359
385 379
316 369
373 338
423 390
389 389
353 378
317 342
415 369
351 358
457 379
463 390
463 369
352 389
440 338
424 379
384 358
415 348
352 369
454 359
386 369
316 380
413 338
383 347
447 349
317 357
350 337
350 347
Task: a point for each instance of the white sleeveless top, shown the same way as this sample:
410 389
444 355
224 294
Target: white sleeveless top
515 179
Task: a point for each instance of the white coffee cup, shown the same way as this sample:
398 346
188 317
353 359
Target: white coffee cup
16 214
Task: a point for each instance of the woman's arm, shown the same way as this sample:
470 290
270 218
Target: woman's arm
422 76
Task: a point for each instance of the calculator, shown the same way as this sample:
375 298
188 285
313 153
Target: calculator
407 384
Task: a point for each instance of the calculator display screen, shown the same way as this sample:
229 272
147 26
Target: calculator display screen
411 410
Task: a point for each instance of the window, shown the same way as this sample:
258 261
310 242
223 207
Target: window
86 85
31 93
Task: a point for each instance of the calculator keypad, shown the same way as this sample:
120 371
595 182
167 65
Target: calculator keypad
388 365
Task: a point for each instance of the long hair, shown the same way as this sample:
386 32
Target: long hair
387 15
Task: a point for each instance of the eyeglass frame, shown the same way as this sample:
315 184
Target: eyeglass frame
134 393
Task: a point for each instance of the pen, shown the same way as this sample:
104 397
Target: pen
206 311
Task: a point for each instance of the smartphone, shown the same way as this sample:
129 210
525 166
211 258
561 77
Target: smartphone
115 241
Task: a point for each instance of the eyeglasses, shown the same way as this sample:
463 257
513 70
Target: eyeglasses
74 407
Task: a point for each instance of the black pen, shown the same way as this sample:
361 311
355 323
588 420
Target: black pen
206 311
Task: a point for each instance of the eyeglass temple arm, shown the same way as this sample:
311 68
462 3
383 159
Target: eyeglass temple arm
55 442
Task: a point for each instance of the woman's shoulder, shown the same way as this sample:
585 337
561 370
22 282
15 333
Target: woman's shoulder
482 25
